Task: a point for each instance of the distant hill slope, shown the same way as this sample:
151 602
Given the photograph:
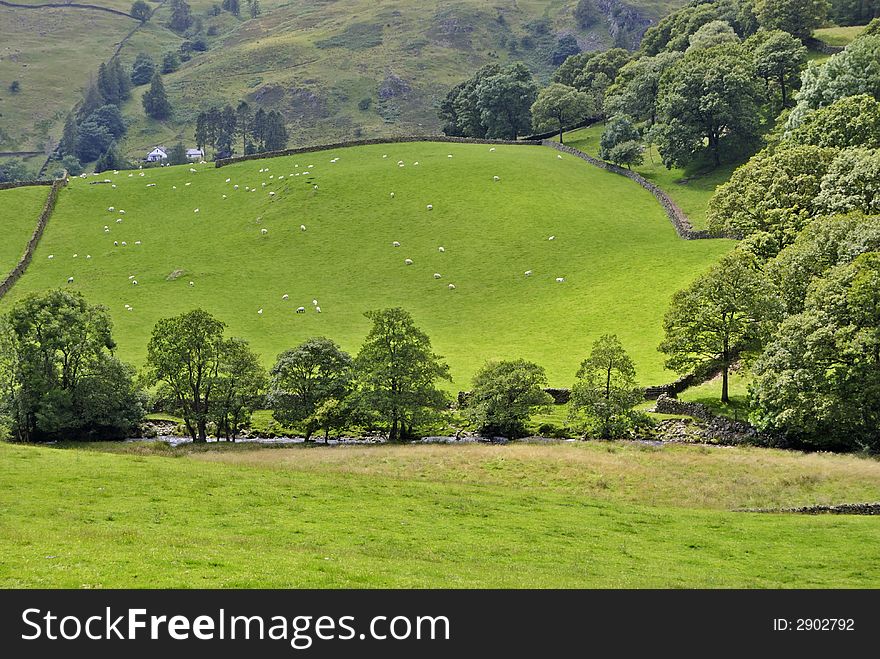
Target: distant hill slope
314 60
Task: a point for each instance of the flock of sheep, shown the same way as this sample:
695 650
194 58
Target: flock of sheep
264 231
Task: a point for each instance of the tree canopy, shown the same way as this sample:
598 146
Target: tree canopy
504 395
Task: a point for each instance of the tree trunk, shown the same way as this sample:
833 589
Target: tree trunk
560 133
725 398
203 431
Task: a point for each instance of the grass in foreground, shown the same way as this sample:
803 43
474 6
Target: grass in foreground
19 210
691 191
616 249
600 515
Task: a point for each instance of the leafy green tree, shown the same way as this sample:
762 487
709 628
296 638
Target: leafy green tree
713 33
872 29
726 312
143 69
110 159
232 6
155 101
774 193
707 95
110 118
14 170
275 136
849 122
181 16
71 165
93 140
601 69
307 377
635 89
571 68
61 378
459 111
778 58
185 357
241 381
140 10
505 101
852 72
797 17
565 48
853 12
619 131
605 393
244 121
177 155
674 32
852 183
504 395
397 371
170 62
823 244
818 381
559 107
627 154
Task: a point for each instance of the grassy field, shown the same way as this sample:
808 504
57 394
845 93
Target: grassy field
617 251
19 209
691 191
584 515
839 36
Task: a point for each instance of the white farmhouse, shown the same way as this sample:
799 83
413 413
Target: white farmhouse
158 154
195 154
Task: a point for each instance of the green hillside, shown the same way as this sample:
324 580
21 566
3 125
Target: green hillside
19 209
619 255
313 61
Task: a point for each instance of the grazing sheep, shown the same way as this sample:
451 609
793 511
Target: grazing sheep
552 238
451 287
51 256
449 156
302 227
560 280
111 209
271 194
315 302
437 275
196 210
130 309
228 180
272 176
395 243
385 155
560 157
151 185
441 249
430 207
119 221
130 277
528 273
264 231
235 187
124 244
192 171
192 283
137 242
134 282
492 149
264 184
318 309
116 243
88 256
392 195
70 280
174 187
300 309
224 196
316 187
416 162
260 312
106 230
247 188
285 297
408 261
122 212
496 178
186 184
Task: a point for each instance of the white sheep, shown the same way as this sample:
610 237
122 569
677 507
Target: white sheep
285 297
318 309
130 277
492 150
300 309
408 261
395 243
137 242
51 256
496 178
416 162
260 312
192 171
271 194
192 283
151 185
315 302
70 280
196 210
302 227
392 195
106 230
187 184
235 187
116 243
441 249
316 187
134 282
552 238
122 212
88 256
528 273
224 196
124 244
560 280
451 287
385 155
437 275
111 209
449 156
560 157
430 207
264 231
228 180
119 220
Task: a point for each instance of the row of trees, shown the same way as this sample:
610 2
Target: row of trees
59 379
257 131
798 299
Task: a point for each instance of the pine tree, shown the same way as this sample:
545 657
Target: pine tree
108 85
243 120
69 137
258 131
226 131
92 101
110 159
201 135
178 154
123 82
155 100
276 133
